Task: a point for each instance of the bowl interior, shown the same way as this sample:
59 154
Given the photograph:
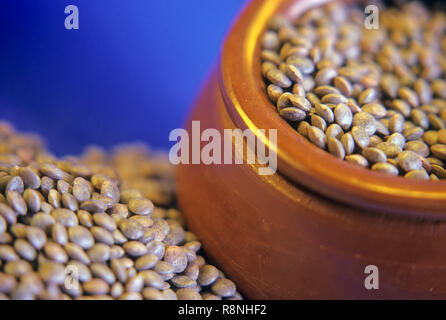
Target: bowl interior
243 91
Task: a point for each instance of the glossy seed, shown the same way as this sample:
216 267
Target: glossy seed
52 272
401 106
131 229
334 98
420 118
274 92
361 136
93 206
325 112
188 294
354 107
396 123
335 147
105 221
32 199
357 160
334 130
374 155
366 121
271 56
348 143
343 85
54 198
435 122
224 288
303 128
419 147
102 235
59 233
176 257
29 177
431 137
41 220
81 236
65 217
36 237
147 261
300 102
305 65
278 78
52 171
390 149
375 109
423 90
409 160
441 136
343 116
17 202
439 150
292 114
141 206
417 174
99 253
408 95
135 248
103 272
270 40
80 190
413 133
398 139
325 75
386 168
25 249
55 252
367 96
439 171
96 287
77 253
325 90
318 122
293 73
15 184
208 274
317 136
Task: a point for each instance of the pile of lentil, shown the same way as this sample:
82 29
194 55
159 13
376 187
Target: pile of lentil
375 98
84 227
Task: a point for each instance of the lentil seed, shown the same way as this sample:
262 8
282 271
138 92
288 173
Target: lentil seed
36 237
374 155
17 202
386 168
335 147
409 160
357 160
439 150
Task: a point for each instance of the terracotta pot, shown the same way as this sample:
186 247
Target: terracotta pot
310 230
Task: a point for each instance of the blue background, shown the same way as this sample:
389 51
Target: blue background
131 71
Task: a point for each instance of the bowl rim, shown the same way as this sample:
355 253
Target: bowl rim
243 91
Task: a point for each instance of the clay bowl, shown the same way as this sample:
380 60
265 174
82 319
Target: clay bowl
310 230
